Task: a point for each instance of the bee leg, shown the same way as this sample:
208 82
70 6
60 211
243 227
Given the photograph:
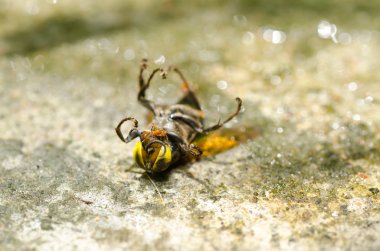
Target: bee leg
195 151
144 86
132 134
219 124
185 84
189 98
143 67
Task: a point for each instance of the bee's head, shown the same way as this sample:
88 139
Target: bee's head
152 152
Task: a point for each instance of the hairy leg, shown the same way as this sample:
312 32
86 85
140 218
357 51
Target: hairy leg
220 124
189 98
144 86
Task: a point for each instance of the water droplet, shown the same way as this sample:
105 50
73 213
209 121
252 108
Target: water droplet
280 110
142 44
278 37
335 125
352 86
103 44
106 45
280 130
160 60
344 38
274 36
214 100
326 30
356 117
369 99
208 56
240 20
248 38
275 80
279 155
129 54
222 84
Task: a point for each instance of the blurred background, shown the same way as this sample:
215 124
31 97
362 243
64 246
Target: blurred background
265 52
312 64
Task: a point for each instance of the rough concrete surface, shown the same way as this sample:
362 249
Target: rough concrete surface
304 176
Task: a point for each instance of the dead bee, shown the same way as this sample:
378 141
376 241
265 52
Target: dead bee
169 140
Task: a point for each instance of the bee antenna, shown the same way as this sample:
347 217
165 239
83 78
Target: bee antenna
158 191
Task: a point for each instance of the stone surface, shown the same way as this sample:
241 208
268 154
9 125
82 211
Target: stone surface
305 175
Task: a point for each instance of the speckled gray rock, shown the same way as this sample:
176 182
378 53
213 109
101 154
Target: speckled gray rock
305 175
